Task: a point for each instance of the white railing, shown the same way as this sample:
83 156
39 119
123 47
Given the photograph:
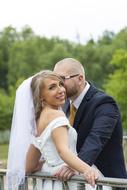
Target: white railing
30 181
125 148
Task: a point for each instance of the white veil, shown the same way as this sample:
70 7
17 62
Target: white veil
23 125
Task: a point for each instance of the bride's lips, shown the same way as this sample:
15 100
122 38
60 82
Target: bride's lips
61 97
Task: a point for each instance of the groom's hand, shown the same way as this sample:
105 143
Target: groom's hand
65 173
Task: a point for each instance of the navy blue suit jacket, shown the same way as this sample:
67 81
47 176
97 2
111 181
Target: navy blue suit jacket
98 124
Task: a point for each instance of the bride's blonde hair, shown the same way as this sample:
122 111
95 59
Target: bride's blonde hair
37 85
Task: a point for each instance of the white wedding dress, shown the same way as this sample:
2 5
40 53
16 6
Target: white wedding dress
52 159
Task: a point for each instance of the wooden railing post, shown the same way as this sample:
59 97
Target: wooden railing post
1 182
125 148
34 183
99 187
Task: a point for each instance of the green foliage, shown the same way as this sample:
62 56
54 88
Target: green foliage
23 53
6 108
3 155
6 105
116 84
119 59
3 151
120 40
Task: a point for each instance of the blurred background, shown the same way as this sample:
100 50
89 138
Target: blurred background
34 35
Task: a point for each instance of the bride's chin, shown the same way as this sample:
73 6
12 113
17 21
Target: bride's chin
63 102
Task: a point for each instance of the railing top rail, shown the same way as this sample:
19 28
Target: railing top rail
125 137
114 182
3 171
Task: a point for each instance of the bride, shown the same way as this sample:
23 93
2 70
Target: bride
40 127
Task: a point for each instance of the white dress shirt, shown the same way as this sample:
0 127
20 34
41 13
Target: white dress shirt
79 99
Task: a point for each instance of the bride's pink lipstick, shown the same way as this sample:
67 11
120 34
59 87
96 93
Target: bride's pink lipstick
61 97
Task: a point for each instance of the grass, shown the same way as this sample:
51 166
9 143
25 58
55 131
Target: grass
3 155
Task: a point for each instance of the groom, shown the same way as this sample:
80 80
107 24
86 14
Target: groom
97 122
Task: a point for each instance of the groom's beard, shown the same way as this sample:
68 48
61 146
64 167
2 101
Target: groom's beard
72 91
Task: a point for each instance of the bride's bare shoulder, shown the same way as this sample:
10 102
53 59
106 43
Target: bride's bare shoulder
46 117
52 114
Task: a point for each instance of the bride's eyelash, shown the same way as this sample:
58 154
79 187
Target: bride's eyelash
51 87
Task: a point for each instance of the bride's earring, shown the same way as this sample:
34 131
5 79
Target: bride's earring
42 103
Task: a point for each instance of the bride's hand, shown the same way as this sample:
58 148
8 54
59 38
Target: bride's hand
39 165
91 175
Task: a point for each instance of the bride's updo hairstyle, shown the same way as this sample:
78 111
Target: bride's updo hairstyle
37 85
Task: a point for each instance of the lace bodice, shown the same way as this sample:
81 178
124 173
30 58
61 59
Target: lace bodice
46 145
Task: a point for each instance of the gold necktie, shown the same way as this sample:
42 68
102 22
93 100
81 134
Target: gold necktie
72 114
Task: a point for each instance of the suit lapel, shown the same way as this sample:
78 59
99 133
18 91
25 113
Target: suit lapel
92 90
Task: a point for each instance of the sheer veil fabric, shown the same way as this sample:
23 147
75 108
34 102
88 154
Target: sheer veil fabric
23 125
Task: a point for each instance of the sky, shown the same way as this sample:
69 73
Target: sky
75 20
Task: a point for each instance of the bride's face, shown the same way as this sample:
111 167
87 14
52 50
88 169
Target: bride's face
53 93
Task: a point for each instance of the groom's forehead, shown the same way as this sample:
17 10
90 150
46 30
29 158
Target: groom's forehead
63 71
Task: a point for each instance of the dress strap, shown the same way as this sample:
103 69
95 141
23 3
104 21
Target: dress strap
57 122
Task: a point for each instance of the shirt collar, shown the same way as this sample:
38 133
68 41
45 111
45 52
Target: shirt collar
79 99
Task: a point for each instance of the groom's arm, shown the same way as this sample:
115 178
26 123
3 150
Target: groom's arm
105 119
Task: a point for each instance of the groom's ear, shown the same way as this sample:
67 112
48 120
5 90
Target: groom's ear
81 79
